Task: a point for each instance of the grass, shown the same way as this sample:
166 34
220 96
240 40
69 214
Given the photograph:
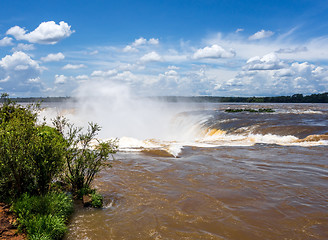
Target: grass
44 217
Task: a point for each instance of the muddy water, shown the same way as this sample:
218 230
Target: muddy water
256 192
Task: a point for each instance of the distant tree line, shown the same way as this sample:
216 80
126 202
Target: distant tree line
296 98
38 99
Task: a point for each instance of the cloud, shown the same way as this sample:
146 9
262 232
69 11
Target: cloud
143 41
10 62
17 72
94 52
140 42
108 73
261 34
23 47
292 50
214 51
267 62
74 66
45 33
151 57
82 77
153 41
314 49
6 79
129 48
269 76
6 41
172 67
34 80
53 57
60 79
239 30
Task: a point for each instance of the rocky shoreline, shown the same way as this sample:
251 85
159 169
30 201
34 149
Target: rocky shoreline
8 230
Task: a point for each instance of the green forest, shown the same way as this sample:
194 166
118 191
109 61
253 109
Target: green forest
296 98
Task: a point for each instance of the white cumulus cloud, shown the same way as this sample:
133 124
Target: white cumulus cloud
129 48
6 41
214 51
153 41
140 42
23 47
16 72
151 57
269 76
60 79
108 73
267 62
45 33
261 34
53 57
74 66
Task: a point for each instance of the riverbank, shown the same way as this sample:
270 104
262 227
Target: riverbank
7 229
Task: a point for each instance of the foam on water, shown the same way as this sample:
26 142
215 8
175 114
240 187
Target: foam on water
141 124
187 129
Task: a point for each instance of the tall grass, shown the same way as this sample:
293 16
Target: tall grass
44 217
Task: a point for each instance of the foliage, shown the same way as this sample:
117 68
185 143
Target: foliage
261 110
96 200
31 155
296 98
48 156
43 217
84 154
34 156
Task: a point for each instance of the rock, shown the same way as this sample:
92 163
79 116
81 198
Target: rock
86 199
8 225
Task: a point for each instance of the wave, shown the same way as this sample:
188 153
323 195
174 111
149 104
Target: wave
216 138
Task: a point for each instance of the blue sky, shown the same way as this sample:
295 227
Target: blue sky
171 47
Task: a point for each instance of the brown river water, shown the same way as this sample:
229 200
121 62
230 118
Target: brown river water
236 176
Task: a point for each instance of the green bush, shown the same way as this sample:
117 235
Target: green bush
84 159
31 156
96 200
34 156
43 217
47 156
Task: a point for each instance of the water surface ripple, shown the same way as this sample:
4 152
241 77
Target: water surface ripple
256 192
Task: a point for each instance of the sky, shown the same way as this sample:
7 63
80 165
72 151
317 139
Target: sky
163 48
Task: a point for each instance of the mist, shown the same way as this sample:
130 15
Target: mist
120 113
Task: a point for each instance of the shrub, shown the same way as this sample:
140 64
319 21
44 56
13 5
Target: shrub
48 156
31 155
84 159
43 217
96 200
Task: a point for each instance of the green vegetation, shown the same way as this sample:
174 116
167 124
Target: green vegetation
31 155
83 160
261 110
43 217
296 98
39 163
96 200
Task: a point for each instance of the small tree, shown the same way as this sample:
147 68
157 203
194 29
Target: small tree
48 156
31 156
85 155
